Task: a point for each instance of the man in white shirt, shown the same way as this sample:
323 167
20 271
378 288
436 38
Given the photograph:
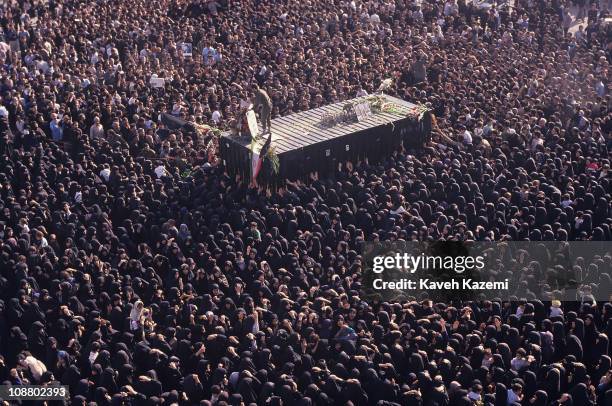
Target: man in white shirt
105 173
96 130
467 137
216 117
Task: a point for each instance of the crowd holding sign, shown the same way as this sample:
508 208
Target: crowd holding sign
157 82
187 48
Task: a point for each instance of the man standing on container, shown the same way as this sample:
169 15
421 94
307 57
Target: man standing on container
263 104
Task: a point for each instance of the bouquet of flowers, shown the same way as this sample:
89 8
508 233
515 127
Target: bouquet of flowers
273 157
203 128
417 112
379 104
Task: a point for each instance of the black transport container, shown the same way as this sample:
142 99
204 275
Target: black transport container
304 145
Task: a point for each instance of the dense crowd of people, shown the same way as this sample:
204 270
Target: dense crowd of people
134 270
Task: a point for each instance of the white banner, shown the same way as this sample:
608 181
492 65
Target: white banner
362 110
252 122
187 48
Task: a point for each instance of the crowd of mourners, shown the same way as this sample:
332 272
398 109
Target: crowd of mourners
135 271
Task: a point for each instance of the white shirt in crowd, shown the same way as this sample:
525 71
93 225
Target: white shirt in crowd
513 397
518 363
450 7
555 311
92 357
96 130
160 171
37 367
473 396
467 137
105 174
216 116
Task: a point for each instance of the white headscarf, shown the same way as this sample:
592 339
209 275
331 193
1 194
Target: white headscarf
136 313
